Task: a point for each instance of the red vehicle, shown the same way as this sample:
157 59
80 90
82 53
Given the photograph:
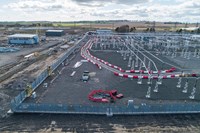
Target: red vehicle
119 96
104 96
114 92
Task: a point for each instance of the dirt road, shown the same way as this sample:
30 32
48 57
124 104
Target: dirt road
85 123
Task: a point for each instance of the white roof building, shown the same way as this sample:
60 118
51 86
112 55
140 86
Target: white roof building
54 30
191 28
104 31
22 36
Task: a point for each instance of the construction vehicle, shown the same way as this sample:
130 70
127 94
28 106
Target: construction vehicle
104 96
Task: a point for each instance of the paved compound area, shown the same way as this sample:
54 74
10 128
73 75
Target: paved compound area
67 89
85 123
116 53
168 86
115 58
71 90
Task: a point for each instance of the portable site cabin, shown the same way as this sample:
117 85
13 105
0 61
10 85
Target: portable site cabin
57 33
23 39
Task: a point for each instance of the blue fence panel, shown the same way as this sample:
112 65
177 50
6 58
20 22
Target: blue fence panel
18 106
20 98
89 109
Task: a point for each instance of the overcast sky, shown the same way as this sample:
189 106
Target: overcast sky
75 10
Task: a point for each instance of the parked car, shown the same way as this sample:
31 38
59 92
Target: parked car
85 76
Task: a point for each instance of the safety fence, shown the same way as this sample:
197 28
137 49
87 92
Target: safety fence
23 95
173 108
126 73
17 104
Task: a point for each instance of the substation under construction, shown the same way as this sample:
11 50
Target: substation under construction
157 73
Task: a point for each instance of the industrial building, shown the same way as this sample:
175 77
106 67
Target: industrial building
191 29
55 33
24 39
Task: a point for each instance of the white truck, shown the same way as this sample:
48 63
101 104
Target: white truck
85 76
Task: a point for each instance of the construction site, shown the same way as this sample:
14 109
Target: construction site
21 62
100 73
87 66
103 73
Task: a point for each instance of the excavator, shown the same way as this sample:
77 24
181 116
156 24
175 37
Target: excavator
104 96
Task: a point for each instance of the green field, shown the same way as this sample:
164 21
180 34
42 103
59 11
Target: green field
67 24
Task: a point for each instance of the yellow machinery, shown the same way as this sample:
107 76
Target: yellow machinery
28 91
49 69
36 54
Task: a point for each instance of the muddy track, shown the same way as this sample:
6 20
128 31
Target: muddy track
92 123
14 80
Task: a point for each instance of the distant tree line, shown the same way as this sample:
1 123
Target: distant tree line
41 24
172 23
126 28
123 29
150 30
26 25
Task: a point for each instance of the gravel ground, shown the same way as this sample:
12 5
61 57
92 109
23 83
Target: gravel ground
111 55
7 58
71 90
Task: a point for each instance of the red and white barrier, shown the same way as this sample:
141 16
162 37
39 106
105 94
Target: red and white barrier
151 72
131 71
99 66
89 46
146 76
